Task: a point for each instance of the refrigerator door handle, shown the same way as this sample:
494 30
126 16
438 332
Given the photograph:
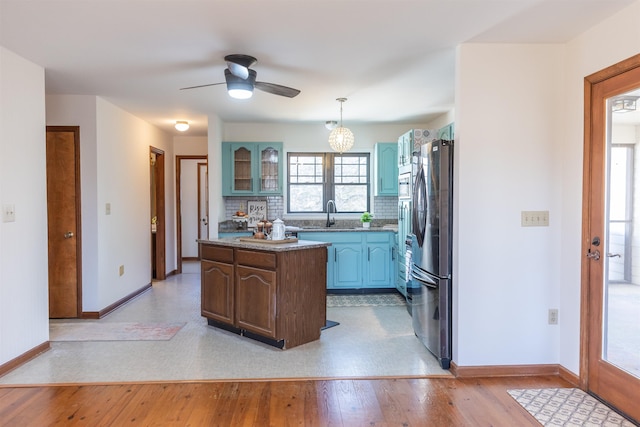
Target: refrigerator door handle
423 279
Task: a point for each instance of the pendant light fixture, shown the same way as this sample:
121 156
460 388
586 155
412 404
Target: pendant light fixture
341 139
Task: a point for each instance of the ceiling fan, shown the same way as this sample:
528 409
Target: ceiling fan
241 80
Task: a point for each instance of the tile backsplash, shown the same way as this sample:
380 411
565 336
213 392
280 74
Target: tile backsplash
384 208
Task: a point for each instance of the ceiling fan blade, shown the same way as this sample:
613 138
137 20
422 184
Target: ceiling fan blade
195 87
239 64
275 89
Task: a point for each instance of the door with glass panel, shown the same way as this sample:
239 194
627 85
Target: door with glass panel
611 268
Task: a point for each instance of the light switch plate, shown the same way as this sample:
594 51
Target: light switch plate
535 218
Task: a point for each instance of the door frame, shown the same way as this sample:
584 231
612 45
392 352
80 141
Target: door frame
594 131
161 230
78 211
179 206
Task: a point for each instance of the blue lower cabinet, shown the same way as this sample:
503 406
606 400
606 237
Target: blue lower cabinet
347 257
357 260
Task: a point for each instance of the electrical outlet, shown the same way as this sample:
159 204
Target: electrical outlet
107 209
8 213
534 219
553 316
122 270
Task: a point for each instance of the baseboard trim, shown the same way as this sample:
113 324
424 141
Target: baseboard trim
506 370
568 376
24 358
100 314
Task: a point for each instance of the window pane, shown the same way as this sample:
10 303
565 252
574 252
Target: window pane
305 198
351 198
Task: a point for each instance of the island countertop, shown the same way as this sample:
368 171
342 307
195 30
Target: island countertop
235 242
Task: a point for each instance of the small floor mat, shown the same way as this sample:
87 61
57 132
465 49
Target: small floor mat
112 331
567 407
365 300
329 324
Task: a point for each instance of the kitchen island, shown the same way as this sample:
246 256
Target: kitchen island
271 292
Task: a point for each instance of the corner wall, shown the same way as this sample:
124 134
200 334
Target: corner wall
24 307
506 276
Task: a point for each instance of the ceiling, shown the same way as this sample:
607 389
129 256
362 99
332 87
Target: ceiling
393 59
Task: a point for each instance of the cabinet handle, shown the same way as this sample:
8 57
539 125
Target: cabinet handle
393 254
335 255
368 254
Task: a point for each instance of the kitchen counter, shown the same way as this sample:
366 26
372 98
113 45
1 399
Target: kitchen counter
235 242
392 229
274 293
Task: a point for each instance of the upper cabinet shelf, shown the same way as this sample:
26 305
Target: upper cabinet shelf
252 168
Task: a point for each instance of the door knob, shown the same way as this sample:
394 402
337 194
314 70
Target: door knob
68 235
595 255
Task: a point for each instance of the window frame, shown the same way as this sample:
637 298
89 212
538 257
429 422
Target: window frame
328 183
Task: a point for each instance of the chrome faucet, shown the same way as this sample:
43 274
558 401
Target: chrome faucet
330 222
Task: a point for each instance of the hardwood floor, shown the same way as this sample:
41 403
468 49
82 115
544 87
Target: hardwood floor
347 402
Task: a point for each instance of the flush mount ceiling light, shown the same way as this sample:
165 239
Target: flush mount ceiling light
330 124
182 125
341 139
624 104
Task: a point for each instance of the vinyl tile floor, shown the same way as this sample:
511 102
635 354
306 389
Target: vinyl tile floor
368 342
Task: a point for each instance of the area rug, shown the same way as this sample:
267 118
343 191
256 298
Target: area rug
567 407
329 324
365 300
112 331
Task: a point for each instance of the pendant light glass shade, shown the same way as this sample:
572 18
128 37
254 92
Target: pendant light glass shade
341 139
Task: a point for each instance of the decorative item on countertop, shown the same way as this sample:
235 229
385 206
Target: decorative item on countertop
366 219
278 230
259 234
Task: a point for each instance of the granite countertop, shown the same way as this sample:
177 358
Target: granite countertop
389 228
235 242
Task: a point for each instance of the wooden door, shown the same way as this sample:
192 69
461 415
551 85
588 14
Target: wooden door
157 222
63 216
610 352
203 201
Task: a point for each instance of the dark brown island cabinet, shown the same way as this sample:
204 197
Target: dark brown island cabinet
274 293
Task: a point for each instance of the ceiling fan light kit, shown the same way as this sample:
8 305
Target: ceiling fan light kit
341 139
240 88
182 125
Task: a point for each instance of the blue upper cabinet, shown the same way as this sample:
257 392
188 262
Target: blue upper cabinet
252 168
446 132
386 183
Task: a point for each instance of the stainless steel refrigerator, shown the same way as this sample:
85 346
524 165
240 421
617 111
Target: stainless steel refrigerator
432 217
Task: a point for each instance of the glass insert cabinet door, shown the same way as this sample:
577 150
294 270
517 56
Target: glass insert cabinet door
242 170
252 168
269 169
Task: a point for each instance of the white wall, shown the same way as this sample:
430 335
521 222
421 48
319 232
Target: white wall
24 307
506 276
114 157
124 236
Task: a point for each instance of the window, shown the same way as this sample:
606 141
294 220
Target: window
315 178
